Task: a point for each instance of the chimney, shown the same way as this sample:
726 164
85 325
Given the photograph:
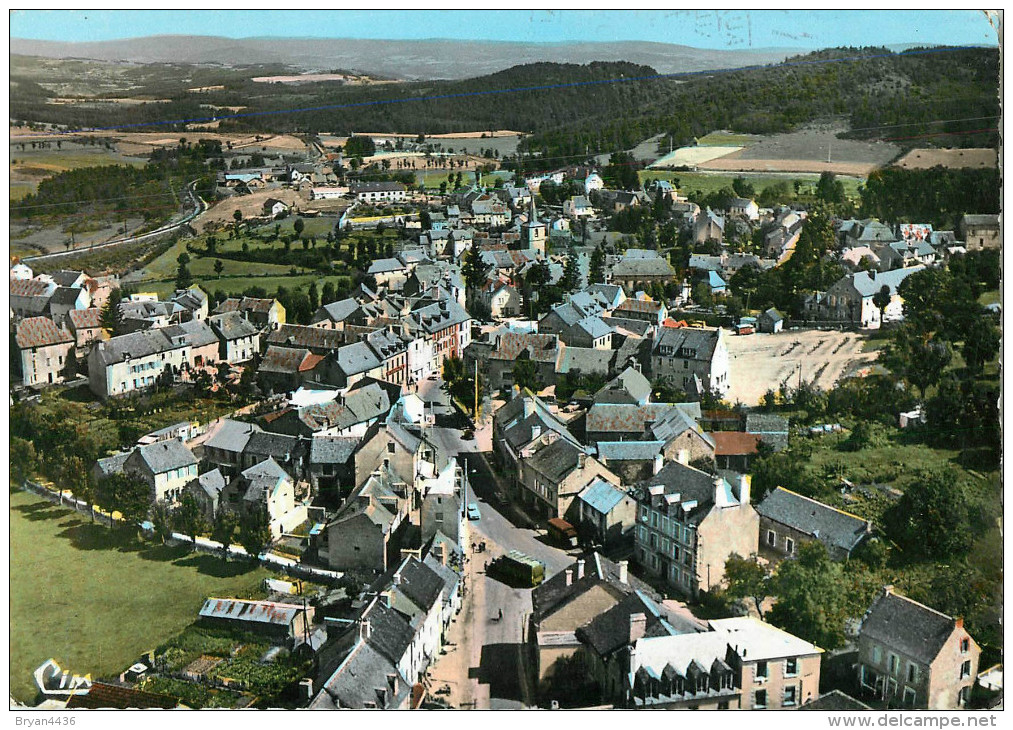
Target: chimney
624 571
683 457
581 460
742 494
872 274
306 688
569 577
638 626
529 407
958 622
659 462
720 495
580 569
364 630
536 431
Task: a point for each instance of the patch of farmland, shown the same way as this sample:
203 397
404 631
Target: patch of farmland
693 156
923 159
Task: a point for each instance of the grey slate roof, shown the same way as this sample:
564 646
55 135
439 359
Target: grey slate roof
908 626
165 455
356 358
690 483
835 701
390 633
135 344
232 436
555 460
232 326
598 570
112 464
262 478
212 482
335 450
585 359
628 267
593 326
684 339
831 526
361 680
629 450
610 630
629 386
419 583
337 311
194 333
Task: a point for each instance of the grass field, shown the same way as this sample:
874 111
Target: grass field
236 285
710 183
94 599
202 268
726 139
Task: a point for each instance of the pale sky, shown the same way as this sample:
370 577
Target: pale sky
724 29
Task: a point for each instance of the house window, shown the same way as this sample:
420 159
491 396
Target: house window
654 519
965 645
390 447
789 545
791 667
643 513
909 697
790 696
723 705
771 538
912 673
761 670
965 669
894 664
760 699
877 655
963 695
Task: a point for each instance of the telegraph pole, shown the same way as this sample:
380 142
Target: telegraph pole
476 394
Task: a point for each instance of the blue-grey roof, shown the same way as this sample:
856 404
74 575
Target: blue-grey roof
232 436
586 360
112 464
194 332
868 283
594 327
829 525
134 345
232 326
338 311
164 456
212 482
629 450
385 266
357 358
714 279
629 386
601 496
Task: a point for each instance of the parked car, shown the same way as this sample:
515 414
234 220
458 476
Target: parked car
473 513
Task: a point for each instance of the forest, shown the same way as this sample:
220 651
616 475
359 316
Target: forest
578 110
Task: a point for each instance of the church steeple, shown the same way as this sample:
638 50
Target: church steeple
532 213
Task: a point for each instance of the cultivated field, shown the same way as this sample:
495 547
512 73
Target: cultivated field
29 166
763 362
693 156
94 599
251 206
923 159
810 150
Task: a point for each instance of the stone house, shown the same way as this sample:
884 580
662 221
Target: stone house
45 350
605 513
980 231
679 354
238 338
788 519
166 466
689 523
913 656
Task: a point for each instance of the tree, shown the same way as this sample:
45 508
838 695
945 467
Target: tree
161 518
475 272
298 226
747 579
183 278
932 519
328 293
918 357
125 493
219 268
525 373
702 294
596 268
110 318
881 299
224 528
24 460
571 272
829 189
743 188
237 216
255 530
981 344
426 220
815 596
189 517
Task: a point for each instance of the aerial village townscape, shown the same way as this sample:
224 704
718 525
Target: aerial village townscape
338 381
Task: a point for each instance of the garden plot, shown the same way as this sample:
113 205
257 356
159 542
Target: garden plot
762 362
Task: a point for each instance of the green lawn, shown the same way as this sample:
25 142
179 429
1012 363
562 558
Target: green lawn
238 284
95 599
726 139
993 296
710 183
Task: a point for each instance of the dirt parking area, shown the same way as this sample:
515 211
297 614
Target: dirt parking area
923 159
762 362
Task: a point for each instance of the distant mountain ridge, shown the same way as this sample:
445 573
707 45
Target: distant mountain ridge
409 59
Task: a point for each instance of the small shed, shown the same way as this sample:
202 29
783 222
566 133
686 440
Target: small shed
771 321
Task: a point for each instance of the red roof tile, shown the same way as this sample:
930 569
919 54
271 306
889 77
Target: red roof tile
102 696
734 443
39 332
